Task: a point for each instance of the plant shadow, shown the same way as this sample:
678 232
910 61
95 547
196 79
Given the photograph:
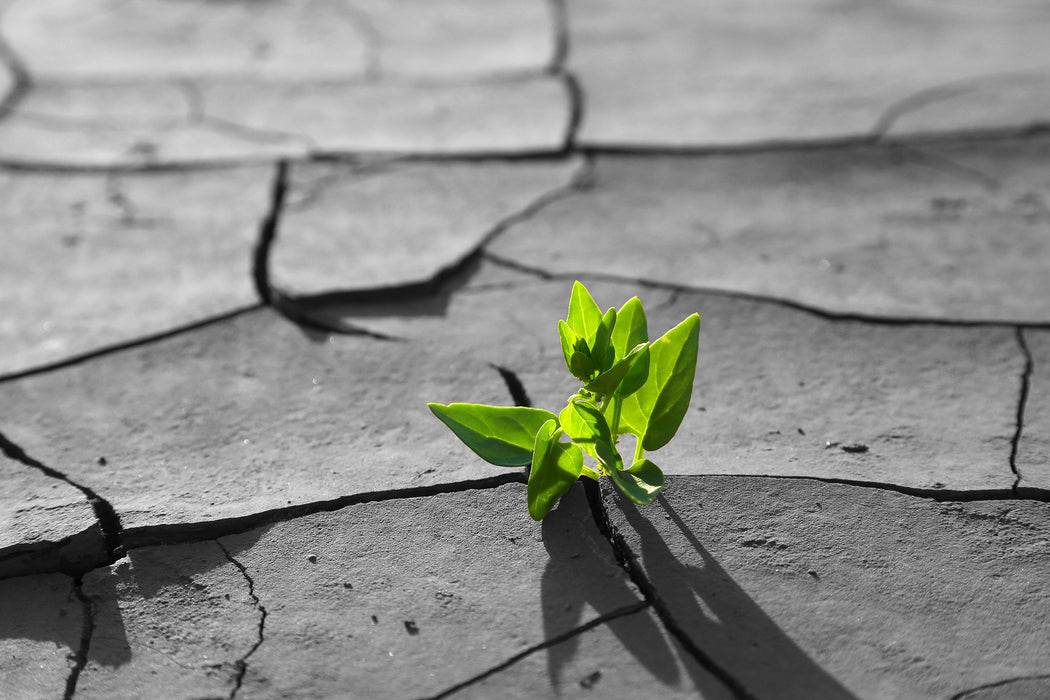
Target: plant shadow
722 620
581 573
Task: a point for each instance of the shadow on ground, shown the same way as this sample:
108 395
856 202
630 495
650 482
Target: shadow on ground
722 620
581 570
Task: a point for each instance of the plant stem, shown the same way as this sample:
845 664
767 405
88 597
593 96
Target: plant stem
638 451
614 426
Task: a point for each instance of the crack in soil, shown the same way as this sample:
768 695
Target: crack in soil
927 96
996 684
197 532
108 520
127 345
86 633
308 310
242 663
514 386
628 561
818 312
559 59
295 309
553 641
1022 403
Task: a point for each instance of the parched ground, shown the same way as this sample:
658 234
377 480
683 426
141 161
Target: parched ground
244 243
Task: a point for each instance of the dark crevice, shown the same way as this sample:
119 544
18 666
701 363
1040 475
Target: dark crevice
629 562
547 643
268 233
295 309
818 144
242 663
514 386
560 32
998 684
558 67
940 495
920 99
197 532
764 299
108 521
127 345
21 80
1022 402
87 631
916 101
319 311
576 105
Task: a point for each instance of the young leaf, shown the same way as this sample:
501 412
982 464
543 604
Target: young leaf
655 411
612 380
587 427
584 316
641 483
556 466
630 327
581 365
602 352
631 330
568 342
502 435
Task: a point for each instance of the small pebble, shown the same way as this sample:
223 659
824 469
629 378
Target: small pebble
375 620
855 448
591 680
312 558
101 461
410 627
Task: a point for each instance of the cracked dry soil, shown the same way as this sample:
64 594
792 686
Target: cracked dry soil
250 501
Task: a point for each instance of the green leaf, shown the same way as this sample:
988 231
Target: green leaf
556 466
655 410
568 342
587 427
502 435
584 316
581 365
602 352
641 483
630 328
611 380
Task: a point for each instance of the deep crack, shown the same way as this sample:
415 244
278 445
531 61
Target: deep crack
629 562
558 67
294 309
197 532
87 631
242 663
918 100
20 77
1022 403
545 644
108 520
309 311
818 312
514 386
126 345
988 686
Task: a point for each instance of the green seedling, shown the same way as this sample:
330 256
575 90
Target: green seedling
629 386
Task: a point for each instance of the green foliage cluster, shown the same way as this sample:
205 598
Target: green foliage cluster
630 386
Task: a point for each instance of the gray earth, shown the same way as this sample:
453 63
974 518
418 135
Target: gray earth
246 243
